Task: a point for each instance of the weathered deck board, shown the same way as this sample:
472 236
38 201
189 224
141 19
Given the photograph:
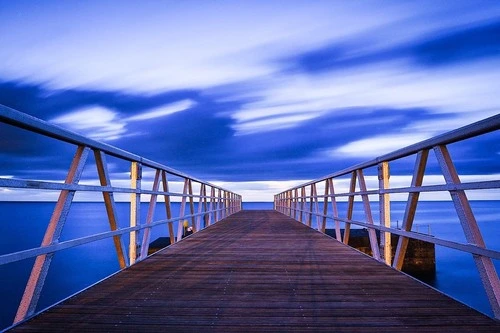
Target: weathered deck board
260 271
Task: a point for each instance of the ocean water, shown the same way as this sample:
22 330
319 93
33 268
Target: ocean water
22 226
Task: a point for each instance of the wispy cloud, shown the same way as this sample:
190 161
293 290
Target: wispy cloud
272 123
163 110
378 145
95 122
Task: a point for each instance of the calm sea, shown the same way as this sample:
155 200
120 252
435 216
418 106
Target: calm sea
22 226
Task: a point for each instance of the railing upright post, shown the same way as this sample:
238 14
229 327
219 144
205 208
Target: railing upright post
325 206
191 204
201 208
350 207
219 200
485 266
309 212
41 266
338 234
411 207
302 202
283 202
235 203
135 204
223 204
287 203
385 211
295 202
151 211
368 214
211 206
168 206
109 202
316 205
182 212
231 204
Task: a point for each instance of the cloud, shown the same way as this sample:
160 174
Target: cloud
448 46
272 123
96 122
163 110
378 145
463 44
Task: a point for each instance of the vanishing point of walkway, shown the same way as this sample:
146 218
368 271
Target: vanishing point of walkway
259 271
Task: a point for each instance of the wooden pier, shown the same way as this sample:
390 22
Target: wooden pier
259 271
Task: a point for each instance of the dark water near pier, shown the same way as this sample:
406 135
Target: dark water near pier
22 226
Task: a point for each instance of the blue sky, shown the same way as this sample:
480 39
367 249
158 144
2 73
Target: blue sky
250 93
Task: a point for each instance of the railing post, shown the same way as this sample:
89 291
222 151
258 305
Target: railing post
149 218
41 266
227 202
191 203
350 207
311 196
285 203
295 202
302 202
316 206
167 206
325 206
385 211
233 203
201 208
211 206
223 204
219 203
411 207
338 234
288 203
109 202
182 212
135 204
368 214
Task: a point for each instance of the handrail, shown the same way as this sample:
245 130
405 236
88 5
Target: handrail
33 124
213 203
303 202
481 127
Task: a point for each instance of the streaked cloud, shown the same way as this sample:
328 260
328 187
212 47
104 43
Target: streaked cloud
272 123
378 145
95 122
163 110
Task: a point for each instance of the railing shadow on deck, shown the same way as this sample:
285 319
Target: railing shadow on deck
312 199
148 181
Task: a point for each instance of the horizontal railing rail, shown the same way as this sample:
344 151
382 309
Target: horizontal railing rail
206 204
303 202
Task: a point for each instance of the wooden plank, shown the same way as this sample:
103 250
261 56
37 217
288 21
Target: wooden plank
259 271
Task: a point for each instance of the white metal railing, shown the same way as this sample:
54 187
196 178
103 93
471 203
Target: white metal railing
213 202
303 202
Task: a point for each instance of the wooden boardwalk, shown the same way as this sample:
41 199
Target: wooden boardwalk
259 271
